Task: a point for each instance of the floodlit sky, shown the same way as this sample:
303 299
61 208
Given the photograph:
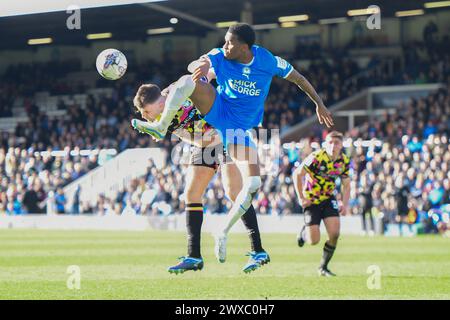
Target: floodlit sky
19 7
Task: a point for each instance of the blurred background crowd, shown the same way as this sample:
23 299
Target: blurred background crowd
405 179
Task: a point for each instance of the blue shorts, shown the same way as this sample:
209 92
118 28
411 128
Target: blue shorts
219 118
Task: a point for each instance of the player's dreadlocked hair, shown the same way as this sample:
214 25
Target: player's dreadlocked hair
244 32
147 93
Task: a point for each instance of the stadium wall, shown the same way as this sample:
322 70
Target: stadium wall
280 40
181 47
113 175
369 100
268 224
413 28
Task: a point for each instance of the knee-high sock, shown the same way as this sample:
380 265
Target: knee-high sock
302 234
328 251
243 201
251 223
194 220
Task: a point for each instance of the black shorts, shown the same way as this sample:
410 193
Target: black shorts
402 211
316 212
211 157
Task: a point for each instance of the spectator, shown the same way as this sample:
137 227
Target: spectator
429 33
366 205
60 200
31 201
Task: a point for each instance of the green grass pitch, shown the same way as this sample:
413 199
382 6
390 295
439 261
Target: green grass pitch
132 265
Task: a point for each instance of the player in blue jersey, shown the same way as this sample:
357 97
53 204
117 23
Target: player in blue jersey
243 72
206 157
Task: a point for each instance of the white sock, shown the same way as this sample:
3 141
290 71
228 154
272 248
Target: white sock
243 201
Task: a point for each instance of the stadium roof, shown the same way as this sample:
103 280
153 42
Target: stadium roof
131 21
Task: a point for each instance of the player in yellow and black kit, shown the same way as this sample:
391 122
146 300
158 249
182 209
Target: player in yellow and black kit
207 155
315 184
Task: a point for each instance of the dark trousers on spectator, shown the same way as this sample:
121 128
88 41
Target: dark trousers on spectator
367 212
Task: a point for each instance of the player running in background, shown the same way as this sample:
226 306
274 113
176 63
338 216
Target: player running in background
206 156
314 182
244 72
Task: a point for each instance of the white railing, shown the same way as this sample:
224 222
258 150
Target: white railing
114 175
334 108
367 107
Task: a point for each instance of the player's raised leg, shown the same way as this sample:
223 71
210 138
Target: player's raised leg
232 182
309 234
310 231
332 225
246 158
201 93
197 180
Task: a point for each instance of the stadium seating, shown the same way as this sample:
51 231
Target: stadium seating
76 117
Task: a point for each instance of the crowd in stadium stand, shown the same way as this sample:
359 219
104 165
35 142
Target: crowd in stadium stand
416 138
403 179
28 177
410 172
407 174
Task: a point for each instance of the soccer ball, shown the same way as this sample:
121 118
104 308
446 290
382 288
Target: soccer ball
111 64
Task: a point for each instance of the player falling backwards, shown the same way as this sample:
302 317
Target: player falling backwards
206 156
314 182
244 72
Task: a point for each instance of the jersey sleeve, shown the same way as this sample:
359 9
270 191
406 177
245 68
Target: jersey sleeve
346 171
310 163
216 57
280 67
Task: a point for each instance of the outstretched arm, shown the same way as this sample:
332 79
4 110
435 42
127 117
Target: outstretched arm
322 112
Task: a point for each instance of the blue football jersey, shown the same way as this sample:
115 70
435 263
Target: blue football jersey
244 87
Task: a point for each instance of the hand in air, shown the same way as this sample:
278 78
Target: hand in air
324 115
